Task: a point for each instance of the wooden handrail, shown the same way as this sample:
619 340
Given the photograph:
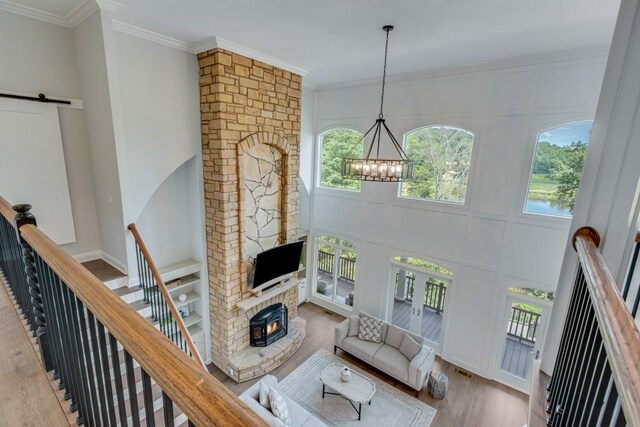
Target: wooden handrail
202 398
7 210
165 294
618 329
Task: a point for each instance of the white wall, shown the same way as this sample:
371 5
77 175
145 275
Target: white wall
39 57
488 243
90 54
307 137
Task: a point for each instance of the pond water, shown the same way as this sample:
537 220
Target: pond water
547 207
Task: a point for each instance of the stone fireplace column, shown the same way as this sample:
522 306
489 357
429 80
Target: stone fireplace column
244 103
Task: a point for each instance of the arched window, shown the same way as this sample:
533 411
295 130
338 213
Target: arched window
336 261
334 146
443 156
557 169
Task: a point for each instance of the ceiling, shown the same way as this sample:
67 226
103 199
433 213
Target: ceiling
341 40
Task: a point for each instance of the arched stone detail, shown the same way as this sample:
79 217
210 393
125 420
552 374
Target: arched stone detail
288 224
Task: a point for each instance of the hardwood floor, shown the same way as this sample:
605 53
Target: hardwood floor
103 270
26 397
471 402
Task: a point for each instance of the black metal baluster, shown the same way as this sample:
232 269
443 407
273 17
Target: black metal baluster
78 364
611 400
560 402
600 393
148 399
115 362
64 334
57 321
48 308
96 358
133 392
567 363
86 350
573 404
106 372
631 271
167 406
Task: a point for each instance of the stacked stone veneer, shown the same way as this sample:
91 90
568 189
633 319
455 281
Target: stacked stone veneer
243 103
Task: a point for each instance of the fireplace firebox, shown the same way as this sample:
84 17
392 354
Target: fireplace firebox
268 325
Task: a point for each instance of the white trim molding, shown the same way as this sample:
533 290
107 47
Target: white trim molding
152 36
78 14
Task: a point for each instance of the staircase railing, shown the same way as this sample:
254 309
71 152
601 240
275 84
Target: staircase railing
99 349
596 378
163 309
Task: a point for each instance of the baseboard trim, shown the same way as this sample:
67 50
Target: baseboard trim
113 261
87 256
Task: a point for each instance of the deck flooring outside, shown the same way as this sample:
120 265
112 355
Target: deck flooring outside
344 287
431 321
517 358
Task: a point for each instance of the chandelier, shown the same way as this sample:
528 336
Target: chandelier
377 169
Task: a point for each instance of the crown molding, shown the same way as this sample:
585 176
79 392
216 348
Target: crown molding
591 53
132 30
70 20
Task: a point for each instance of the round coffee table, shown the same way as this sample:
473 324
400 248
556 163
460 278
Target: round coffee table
357 391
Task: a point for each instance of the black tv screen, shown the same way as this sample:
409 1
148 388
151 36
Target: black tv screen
277 262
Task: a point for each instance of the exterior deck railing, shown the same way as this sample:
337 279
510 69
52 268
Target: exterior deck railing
346 266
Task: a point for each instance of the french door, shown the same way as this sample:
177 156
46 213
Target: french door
417 301
523 329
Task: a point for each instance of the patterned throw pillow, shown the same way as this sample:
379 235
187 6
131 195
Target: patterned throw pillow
279 407
369 328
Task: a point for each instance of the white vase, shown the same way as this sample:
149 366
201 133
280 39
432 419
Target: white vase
345 374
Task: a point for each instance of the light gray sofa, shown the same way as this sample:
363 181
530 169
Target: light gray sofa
299 416
386 355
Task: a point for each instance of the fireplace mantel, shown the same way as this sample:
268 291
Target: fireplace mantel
247 304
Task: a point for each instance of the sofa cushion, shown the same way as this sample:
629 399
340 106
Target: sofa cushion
279 406
353 326
364 350
391 361
409 347
383 334
265 384
298 415
394 336
370 328
264 414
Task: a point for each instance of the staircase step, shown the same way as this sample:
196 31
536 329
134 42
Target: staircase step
129 294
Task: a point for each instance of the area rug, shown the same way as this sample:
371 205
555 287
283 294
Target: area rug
389 406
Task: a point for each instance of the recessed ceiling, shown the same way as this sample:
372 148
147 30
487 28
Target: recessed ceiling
342 40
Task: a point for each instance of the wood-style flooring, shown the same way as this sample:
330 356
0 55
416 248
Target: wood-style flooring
474 402
103 270
26 397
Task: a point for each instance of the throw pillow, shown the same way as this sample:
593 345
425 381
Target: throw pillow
264 395
279 407
369 328
353 326
394 336
409 347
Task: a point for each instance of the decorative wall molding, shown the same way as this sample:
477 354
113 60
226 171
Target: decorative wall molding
70 20
132 30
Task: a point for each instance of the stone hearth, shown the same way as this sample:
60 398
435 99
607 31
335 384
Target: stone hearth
250 117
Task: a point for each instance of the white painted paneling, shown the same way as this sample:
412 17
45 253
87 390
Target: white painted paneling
469 316
512 91
489 237
565 87
534 253
423 231
484 242
32 167
501 161
336 213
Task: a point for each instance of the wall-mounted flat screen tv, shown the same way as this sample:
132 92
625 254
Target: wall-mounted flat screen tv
277 262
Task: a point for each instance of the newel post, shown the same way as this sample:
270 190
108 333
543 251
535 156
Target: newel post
24 217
